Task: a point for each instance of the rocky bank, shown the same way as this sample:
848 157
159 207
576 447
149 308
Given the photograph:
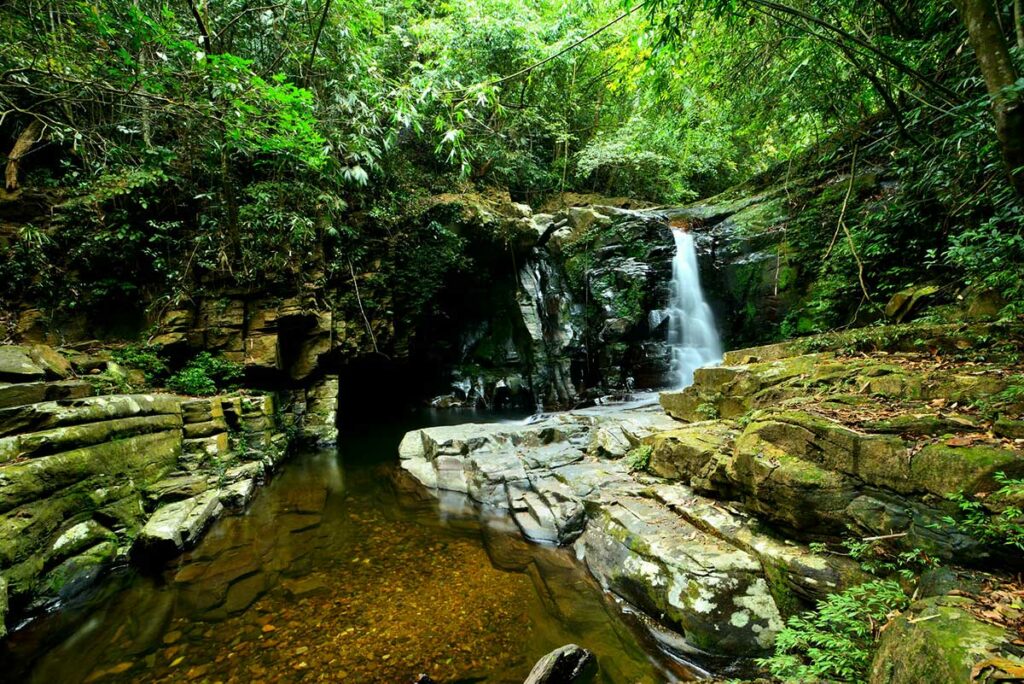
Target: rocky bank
699 513
88 481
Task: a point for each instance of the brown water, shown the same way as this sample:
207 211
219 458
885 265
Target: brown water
342 569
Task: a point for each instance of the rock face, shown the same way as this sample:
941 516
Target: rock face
713 576
573 318
85 480
566 665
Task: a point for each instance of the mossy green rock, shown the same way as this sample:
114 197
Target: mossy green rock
943 470
697 454
935 640
77 572
16 365
1012 429
875 459
36 444
144 457
49 414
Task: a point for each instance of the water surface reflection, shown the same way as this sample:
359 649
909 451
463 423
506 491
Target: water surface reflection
343 569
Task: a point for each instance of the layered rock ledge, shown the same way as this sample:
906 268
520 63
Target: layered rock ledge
89 481
701 516
710 574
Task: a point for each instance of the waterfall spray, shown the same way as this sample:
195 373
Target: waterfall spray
691 327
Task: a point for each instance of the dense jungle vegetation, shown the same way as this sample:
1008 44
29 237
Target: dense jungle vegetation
152 145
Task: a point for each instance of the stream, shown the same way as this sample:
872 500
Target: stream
342 569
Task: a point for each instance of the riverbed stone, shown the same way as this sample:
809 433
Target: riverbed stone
569 664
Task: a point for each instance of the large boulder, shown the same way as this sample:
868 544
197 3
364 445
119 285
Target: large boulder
938 640
714 593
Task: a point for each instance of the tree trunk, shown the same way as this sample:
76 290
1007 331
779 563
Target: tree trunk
25 141
993 55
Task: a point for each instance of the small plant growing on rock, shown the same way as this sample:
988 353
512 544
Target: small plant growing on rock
834 641
708 411
878 559
205 375
1005 528
639 458
145 358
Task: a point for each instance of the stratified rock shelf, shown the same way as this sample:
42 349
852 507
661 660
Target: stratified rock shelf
700 513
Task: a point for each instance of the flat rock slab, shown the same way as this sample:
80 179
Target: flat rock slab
559 481
177 526
16 365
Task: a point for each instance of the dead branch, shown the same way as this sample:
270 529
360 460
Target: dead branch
32 134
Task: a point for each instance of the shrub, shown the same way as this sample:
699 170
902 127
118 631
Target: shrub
144 358
835 641
206 374
1005 528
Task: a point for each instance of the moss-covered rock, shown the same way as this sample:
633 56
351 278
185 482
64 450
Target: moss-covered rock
1011 429
16 365
712 592
935 640
698 454
942 469
36 444
876 459
144 457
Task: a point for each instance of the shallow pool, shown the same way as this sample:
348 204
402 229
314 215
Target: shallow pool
342 569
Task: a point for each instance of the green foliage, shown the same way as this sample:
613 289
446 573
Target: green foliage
145 358
708 410
834 642
638 458
205 374
1002 528
877 558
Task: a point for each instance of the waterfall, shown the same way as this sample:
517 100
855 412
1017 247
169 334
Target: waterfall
692 336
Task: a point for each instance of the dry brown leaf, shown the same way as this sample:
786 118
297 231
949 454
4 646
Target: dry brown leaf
1001 665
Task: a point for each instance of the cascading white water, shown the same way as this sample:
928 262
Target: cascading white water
692 336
